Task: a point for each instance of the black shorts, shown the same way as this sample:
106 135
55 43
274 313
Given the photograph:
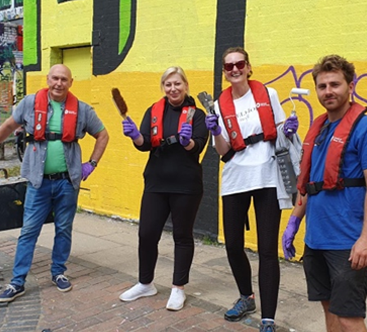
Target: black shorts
330 278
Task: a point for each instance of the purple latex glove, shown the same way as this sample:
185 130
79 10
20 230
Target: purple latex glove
130 129
87 169
185 134
290 126
211 122
288 237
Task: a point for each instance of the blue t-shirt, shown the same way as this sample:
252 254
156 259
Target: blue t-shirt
334 218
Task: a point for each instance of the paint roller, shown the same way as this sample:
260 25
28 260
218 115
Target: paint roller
297 91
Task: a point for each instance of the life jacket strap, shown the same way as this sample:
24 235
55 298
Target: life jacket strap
313 188
253 139
48 137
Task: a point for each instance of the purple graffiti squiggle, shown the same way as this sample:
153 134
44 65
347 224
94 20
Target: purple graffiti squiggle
297 84
354 94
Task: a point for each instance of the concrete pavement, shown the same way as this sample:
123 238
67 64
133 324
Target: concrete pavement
103 263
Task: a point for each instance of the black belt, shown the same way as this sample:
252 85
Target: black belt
249 140
314 188
57 176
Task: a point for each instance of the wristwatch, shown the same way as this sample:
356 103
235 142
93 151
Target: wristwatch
93 163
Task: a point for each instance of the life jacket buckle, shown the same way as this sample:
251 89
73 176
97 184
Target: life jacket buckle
253 139
314 188
171 140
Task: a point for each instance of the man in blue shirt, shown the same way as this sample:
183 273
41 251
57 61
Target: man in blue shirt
333 176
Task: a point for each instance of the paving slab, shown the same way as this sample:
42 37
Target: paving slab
104 262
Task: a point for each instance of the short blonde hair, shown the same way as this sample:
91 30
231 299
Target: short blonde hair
174 70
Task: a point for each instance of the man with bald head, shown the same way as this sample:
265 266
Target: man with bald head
54 120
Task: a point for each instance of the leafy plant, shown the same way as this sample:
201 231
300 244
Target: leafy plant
14 171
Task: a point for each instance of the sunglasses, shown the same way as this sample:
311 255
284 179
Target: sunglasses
229 66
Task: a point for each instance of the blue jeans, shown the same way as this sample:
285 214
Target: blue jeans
60 197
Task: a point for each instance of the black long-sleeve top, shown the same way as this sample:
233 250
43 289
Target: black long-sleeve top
171 168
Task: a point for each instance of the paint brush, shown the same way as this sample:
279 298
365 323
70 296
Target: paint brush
119 102
190 114
207 101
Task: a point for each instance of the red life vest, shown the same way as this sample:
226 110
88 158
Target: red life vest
337 147
70 116
264 108
156 122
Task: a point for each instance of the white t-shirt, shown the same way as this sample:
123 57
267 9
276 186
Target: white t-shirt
254 167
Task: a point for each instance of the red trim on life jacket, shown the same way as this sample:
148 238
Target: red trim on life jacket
335 153
156 122
266 115
70 116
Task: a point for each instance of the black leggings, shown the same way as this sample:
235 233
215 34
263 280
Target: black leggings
235 217
155 209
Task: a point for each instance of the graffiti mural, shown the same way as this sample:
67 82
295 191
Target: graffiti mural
113 39
298 83
132 42
11 10
11 68
32 58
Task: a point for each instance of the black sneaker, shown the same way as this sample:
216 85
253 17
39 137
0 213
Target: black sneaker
11 292
242 307
63 284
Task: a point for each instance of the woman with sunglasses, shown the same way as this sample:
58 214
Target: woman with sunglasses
173 182
248 116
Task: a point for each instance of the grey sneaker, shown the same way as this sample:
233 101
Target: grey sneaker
267 326
242 307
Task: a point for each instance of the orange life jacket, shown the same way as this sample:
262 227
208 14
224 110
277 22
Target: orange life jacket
263 104
334 157
70 116
156 123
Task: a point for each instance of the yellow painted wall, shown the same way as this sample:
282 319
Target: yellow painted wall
278 36
287 33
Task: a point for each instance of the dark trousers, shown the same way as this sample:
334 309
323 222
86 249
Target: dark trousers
235 217
155 209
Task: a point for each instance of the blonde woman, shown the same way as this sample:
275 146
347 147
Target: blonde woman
173 183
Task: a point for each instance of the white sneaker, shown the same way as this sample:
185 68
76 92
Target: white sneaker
176 300
138 291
